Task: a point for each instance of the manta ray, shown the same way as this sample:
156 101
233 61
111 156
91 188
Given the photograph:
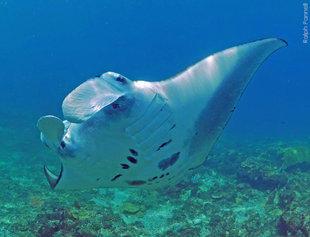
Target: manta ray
122 133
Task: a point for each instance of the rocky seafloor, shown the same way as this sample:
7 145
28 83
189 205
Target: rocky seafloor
259 188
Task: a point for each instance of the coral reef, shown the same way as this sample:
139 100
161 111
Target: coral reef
296 156
243 189
261 175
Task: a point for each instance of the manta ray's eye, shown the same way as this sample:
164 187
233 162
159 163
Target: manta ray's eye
63 144
121 79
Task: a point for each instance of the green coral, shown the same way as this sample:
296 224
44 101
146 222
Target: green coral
132 209
292 156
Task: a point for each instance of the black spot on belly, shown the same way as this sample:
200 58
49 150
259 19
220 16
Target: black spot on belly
161 176
116 177
136 182
164 144
133 152
132 160
98 179
125 166
165 163
152 179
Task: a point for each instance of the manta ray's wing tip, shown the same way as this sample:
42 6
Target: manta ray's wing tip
284 41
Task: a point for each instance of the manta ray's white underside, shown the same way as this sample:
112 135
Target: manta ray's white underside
123 133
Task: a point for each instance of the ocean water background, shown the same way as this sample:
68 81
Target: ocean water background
47 48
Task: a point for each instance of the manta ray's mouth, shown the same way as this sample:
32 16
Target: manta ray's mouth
52 178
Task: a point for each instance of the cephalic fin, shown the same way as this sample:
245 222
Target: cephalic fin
52 178
52 130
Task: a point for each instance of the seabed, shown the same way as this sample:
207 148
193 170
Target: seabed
259 188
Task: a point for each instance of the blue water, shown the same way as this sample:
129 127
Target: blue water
47 48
